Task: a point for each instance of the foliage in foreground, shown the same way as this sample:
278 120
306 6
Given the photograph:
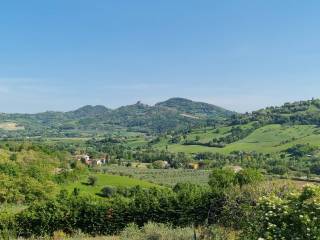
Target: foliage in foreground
256 209
150 231
295 217
186 204
156 231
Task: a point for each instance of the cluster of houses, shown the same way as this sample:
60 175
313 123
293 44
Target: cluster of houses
86 159
160 164
194 166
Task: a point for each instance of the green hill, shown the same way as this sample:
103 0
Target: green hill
301 112
88 111
175 116
267 139
268 130
197 109
89 121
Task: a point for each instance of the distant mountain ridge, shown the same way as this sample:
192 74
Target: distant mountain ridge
173 114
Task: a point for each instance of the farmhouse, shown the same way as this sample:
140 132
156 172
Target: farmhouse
86 159
91 162
98 162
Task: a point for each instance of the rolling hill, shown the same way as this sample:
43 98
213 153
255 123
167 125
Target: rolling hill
88 121
271 138
268 130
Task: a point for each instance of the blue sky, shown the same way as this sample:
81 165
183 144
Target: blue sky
242 55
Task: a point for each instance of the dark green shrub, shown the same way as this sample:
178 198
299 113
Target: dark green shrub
92 180
107 192
221 179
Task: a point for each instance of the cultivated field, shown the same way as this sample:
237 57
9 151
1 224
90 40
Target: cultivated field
168 177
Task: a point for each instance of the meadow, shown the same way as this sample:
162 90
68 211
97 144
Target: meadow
268 139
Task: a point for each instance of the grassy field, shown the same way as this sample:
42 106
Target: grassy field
168 177
208 134
136 141
267 139
107 180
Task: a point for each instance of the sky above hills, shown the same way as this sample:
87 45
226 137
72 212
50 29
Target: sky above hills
238 54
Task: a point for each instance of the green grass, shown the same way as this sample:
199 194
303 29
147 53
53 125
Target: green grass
107 180
136 141
275 138
267 139
207 134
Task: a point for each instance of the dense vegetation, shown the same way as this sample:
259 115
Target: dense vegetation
302 112
231 201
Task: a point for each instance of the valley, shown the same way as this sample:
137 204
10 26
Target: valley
109 174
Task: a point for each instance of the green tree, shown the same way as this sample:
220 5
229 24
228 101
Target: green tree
76 191
247 176
315 168
107 192
221 179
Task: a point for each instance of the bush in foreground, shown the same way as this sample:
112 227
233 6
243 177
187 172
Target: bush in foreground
295 217
154 231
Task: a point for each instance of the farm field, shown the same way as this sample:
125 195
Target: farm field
104 180
168 177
